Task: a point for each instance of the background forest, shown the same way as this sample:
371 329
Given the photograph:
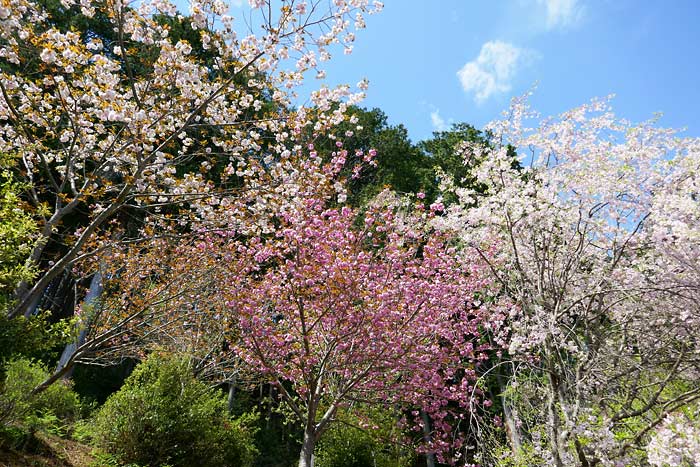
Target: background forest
196 269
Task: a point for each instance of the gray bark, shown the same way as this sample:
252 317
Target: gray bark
306 456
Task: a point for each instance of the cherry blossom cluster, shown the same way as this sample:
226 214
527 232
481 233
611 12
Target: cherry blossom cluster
675 443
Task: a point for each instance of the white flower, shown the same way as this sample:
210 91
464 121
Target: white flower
48 56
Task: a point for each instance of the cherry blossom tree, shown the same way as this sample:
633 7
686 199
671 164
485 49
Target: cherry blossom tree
103 123
597 235
381 314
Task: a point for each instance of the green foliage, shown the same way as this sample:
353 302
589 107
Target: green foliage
17 234
82 431
528 455
444 151
345 444
47 421
401 165
441 149
48 409
34 337
162 414
13 437
279 435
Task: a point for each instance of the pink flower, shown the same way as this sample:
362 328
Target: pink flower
437 207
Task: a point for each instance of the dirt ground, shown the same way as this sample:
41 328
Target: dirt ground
50 451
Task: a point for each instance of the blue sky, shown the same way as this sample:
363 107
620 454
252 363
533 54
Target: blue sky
645 52
433 62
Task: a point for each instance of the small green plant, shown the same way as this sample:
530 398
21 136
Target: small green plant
162 414
13 437
82 431
47 421
103 459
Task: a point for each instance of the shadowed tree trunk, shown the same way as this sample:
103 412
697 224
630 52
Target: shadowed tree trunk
429 456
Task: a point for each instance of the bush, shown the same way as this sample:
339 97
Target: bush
22 414
19 407
346 445
162 415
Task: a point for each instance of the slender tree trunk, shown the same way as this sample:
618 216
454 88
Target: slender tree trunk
306 457
429 456
271 395
91 297
509 418
554 420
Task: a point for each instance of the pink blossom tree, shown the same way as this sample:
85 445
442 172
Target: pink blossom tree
168 291
383 313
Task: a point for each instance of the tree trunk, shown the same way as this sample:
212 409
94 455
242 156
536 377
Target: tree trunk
429 456
509 418
91 297
554 421
306 457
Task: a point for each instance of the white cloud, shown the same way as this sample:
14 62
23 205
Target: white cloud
493 70
562 13
439 123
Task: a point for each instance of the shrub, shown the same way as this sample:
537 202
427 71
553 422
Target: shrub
162 414
17 233
19 407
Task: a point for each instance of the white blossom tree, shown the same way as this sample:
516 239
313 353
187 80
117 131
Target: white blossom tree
106 122
598 240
